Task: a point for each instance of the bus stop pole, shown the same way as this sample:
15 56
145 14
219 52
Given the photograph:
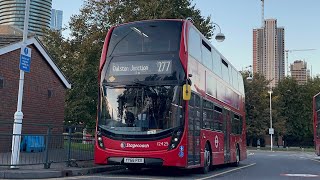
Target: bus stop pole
18 116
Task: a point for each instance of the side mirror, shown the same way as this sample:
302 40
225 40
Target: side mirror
186 92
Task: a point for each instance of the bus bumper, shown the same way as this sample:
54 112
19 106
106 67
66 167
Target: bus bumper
153 158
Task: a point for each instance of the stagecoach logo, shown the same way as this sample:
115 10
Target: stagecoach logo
129 145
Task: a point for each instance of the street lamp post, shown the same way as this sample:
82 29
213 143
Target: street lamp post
271 131
18 115
220 36
250 77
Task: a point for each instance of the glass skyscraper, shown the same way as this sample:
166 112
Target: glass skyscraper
12 13
56 19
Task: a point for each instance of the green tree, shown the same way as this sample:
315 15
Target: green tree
257 106
123 11
79 55
293 107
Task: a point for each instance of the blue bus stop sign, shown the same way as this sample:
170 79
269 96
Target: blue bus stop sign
25 59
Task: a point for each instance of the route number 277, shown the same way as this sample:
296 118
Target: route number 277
163 66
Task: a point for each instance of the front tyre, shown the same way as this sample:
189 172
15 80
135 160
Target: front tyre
237 163
207 160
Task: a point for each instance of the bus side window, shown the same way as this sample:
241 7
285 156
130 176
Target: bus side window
218 119
236 126
197 100
195 44
207 115
318 125
191 102
241 125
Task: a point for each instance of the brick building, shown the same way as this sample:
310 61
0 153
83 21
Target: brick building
44 88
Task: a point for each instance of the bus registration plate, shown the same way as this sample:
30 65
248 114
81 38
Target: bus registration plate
134 160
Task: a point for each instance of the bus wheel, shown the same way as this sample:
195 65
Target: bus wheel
235 164
207 160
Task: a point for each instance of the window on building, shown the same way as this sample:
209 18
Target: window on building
1 82
50 93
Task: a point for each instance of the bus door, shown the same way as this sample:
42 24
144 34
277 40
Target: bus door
194 121
227 132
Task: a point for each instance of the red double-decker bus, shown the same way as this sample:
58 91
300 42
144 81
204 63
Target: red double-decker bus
167 97
316 122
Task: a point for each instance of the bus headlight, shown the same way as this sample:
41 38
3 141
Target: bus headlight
175 140
100 140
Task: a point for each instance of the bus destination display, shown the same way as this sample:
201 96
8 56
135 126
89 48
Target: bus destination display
141 67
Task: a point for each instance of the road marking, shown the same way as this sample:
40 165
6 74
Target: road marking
272 155
313 160
250 154
219 174
134 178
316 160
300 175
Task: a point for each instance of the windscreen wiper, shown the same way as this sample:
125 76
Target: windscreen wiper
141 83
109 84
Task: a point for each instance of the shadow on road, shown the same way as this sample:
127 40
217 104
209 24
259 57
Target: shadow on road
170 172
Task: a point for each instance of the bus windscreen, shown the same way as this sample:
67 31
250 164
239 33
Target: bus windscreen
146 37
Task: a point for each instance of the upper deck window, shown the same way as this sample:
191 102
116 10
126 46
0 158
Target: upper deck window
145 37
194 44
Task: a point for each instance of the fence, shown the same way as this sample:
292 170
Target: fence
47 144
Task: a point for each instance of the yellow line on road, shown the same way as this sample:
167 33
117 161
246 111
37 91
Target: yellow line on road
219 174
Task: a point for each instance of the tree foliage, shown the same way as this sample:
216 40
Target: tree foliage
294 106
123 11
257 106
78 56
291 109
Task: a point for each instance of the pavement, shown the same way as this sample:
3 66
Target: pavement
57 170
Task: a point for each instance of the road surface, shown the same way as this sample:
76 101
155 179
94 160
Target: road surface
259 165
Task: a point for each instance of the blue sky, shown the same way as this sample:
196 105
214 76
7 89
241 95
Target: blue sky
300 18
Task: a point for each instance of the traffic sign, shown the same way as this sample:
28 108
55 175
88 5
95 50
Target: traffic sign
25 59
271 131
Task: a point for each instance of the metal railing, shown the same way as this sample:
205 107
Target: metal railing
46 144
